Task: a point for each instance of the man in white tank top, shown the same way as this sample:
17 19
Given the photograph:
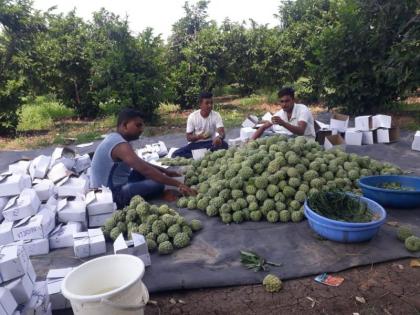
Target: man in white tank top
205 129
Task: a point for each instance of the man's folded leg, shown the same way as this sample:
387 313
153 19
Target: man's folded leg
147 189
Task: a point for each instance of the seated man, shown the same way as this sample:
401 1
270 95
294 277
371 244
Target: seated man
204 129
116 165
296 118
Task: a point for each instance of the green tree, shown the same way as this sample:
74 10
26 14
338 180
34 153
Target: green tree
19 25
359 56
126 69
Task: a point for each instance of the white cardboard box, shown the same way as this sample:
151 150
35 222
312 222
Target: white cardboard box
8 303
98 220
21 288
14 262
251 121
36 247
339 122
19 207
90 243
72 186
334 141
267 117
363 123
100 201
12 185
353 137
35 227
387 135
235 142
54 279
199 153
367 137
20 167
39 304
381 121
39 166
62 235
6 235
71 211
416 142
58 172
136 246
246 133
82 163
63 155
44 189
3 203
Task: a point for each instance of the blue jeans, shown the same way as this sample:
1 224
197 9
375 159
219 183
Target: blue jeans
137 185
186 150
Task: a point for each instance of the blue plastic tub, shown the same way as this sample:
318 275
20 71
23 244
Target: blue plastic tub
391 197
346 232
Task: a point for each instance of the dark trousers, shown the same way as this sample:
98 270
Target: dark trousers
186 150
137 185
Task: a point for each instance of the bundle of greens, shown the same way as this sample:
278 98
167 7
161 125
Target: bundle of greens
395 186
255 262
340 206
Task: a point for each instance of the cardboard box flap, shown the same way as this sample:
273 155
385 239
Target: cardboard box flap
23 222
12 201
137 239
56 229
335 139
61 204
90 197
321 126
119 243
4 175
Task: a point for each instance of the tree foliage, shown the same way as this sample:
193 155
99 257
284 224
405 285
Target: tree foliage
359 55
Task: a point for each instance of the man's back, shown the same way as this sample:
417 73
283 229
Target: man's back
105 171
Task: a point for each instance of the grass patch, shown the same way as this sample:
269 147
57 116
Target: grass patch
41 113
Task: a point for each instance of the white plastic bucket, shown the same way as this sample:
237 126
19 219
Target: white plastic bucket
108 285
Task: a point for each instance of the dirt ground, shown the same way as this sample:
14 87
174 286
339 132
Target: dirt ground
386 288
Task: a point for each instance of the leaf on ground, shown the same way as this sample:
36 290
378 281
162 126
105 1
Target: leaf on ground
360 299
182 302
415 263
172 301
393 223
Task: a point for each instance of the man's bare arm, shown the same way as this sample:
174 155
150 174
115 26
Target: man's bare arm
261 130
125 152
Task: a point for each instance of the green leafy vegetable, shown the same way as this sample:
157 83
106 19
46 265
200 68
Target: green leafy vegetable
255 262
340 206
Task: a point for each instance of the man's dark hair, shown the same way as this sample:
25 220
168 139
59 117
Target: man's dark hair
204 95
286 91
127 114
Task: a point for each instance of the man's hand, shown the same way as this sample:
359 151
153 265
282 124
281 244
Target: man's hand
185 190
277 120
217 142
172 173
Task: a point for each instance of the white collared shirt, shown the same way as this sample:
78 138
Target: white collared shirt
197 124
300 113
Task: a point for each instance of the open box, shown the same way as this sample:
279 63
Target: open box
334 141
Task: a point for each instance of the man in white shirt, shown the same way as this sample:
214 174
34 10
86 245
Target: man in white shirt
205 129
295 118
